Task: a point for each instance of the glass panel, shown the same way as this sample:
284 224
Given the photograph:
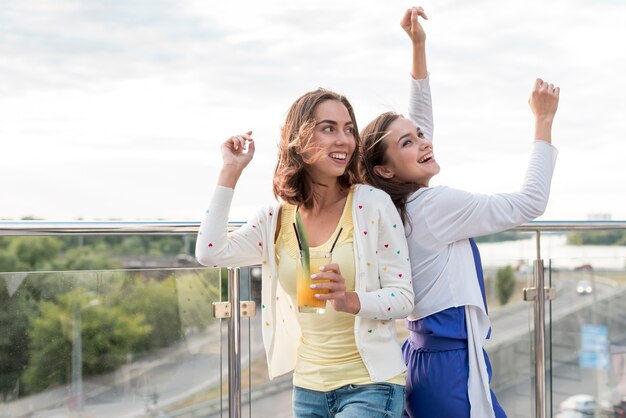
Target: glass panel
588 327
261 397
508 268
108 343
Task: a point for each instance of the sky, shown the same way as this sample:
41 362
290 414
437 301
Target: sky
116 109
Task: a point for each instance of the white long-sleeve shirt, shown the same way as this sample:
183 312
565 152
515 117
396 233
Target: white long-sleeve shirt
442 261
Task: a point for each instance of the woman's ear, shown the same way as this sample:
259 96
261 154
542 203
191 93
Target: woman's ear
383 171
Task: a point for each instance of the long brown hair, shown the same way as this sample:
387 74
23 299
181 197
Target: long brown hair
292 180
373 153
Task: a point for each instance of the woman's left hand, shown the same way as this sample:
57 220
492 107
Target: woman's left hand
412 26
330 278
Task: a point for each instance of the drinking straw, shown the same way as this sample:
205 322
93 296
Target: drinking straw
297 236
332 247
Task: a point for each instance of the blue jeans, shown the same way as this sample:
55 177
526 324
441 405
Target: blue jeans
374 400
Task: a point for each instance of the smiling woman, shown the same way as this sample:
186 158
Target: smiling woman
449 325
345 353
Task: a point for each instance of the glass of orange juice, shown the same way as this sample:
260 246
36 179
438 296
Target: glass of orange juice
307 302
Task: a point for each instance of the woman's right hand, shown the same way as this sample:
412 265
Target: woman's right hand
411 24
237 152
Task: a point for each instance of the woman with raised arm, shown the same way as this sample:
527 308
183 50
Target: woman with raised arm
346 360
448 370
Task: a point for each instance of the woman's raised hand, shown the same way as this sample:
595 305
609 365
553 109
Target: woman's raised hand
237 152
411 25
544 100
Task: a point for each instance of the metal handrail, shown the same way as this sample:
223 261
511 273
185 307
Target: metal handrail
234 345
15 228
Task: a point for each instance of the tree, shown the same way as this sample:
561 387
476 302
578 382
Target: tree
157 302
28 253
9 262
108 335
15 309
505 284
502 236
87 258
38 253
612 237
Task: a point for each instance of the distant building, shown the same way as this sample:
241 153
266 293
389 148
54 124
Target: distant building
599 217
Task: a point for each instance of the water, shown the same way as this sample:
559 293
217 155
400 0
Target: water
553 246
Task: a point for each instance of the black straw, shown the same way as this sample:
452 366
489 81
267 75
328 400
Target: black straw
332 247
297 236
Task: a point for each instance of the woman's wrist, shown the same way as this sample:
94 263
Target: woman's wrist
228 177
419 70
353 304
543 129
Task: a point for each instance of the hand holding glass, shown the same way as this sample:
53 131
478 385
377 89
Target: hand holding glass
307 302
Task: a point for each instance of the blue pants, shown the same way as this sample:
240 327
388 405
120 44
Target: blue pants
375 400
436 385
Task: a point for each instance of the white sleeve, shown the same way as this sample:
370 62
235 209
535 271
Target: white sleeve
421 105
215 247
450 215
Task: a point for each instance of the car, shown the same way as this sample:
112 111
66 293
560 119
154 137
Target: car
584 267
582 405
584 287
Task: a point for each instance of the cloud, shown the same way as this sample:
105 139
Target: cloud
120 92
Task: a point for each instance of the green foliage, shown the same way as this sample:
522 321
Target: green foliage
108 335
36 252
224 283
505 284
148 244
15 309
85 258
196 292
167 245
158 303
29 253
502 236
84 252
613 237
138 312
9 262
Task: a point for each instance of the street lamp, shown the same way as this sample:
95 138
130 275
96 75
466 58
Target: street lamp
77 355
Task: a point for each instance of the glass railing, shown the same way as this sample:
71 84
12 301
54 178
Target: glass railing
507 268
116 319
108 343
587 334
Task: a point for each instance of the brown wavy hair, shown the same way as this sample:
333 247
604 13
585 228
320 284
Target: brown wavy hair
292 180
373 153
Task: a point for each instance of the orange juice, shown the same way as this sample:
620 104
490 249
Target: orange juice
307 302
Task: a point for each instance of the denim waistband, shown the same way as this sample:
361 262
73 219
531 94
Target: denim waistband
434 342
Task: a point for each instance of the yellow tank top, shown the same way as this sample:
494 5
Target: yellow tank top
327 356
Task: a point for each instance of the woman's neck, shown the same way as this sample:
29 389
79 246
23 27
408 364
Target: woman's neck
327 197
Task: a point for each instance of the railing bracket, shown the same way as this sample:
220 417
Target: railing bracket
530 293
223 309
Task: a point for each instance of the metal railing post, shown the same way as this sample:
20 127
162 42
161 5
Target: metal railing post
234 345
540 335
